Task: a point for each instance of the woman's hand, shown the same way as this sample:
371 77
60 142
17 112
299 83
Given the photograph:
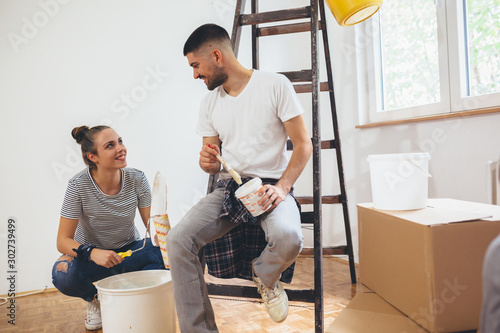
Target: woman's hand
105 258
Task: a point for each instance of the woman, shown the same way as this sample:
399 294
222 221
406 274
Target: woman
97 220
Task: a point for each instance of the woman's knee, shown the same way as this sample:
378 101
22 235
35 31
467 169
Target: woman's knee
62 264
61 273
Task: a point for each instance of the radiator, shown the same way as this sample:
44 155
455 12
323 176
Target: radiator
493 182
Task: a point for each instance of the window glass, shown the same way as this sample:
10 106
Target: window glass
483 46
409 53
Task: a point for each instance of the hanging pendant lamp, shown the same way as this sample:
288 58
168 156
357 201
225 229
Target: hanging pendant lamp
350 12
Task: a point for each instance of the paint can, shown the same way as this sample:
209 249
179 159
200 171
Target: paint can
248 195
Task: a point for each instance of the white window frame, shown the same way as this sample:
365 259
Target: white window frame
452 71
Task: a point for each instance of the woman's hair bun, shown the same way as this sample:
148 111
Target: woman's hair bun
79 133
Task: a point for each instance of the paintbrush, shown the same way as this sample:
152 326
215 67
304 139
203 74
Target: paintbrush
229 169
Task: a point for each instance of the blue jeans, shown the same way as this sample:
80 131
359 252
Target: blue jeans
202 225
74 277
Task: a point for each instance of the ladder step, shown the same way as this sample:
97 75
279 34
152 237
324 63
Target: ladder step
300 295
286 29
325 144
326 199
307 217
327 251
275 16
299 76
307 88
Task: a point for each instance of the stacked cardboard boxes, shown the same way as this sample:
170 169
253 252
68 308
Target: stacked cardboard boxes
424 265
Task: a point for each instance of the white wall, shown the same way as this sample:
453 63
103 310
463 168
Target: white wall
67 63
77 67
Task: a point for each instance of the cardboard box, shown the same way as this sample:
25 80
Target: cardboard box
368 313
427 263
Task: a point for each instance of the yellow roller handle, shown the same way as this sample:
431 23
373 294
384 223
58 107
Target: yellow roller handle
125 254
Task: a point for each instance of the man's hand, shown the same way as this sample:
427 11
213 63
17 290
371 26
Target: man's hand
208 160
271 196
105 258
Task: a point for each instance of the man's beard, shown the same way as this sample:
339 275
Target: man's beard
218 78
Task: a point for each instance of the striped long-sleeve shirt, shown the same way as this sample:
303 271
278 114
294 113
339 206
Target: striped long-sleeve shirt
106 221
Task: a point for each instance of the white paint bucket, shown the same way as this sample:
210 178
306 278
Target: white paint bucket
248 195
399 181
139 302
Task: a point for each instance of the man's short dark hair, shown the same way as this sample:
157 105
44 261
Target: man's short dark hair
205 33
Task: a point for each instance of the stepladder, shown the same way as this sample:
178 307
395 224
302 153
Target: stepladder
311 20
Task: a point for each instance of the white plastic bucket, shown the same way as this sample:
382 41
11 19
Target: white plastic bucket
139 302
399 181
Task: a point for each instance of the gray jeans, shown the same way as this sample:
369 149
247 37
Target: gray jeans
202 225
490 312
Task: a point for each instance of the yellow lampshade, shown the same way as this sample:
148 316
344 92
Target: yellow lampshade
350 12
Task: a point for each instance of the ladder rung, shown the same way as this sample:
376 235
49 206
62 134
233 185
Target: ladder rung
299 76
325 144
300 295
286 29
327 251
231 290
307 88
275 16
326 199
328 144
307 217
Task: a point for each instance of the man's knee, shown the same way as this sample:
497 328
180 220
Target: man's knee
289 243
296 243
176 241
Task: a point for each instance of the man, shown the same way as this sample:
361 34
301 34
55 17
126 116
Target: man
251 113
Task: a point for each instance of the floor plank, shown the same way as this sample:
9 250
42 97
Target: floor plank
54 312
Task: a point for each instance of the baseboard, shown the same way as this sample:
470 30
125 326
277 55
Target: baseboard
39 291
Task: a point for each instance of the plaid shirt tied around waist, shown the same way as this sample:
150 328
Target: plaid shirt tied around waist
231 255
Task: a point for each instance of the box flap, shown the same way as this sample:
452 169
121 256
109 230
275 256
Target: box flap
368 313
436 215
439 213
476 207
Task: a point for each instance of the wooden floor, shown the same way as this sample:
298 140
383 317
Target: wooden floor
53 312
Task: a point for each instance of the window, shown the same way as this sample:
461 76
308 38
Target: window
483 43
431 57
409 54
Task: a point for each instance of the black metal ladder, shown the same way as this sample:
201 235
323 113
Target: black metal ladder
305 81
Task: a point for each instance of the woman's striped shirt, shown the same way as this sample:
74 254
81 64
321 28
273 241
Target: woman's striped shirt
106 221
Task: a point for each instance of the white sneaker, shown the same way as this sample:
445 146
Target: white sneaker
275 299
93 321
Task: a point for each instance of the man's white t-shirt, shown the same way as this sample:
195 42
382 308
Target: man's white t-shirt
250 125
